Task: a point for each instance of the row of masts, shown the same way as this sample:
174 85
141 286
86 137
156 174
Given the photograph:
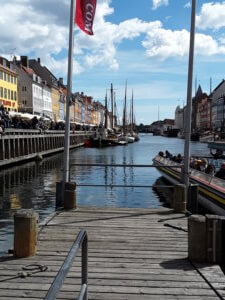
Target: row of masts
113 117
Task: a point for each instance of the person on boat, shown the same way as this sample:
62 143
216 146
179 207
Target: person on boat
192 162
161 154
210 170
178 158
203 165
221 172
168 154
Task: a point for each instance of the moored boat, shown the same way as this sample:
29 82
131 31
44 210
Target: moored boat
211 189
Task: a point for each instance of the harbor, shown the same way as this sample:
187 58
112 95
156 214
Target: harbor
93 205
33 185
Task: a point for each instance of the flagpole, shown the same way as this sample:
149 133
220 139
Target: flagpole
69 90
189 98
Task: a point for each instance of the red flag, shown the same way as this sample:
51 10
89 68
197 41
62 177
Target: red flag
85 13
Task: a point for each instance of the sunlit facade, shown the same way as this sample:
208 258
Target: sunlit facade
8 85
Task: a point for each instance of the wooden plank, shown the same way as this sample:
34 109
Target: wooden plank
132 255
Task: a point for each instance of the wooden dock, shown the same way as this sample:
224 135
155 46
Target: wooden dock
133 254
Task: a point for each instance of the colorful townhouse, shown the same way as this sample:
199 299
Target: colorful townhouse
30 88
8 85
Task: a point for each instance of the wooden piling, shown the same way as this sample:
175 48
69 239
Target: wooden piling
25 232
197 238
179 198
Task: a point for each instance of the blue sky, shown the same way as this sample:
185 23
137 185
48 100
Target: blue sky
145 42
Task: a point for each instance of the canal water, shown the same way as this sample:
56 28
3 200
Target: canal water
33 185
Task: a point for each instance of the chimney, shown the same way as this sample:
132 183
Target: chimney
61 80
39 60
24 61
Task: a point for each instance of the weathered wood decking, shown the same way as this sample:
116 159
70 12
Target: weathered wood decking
132 255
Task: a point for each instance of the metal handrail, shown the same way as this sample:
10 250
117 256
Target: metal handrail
125 165
82 239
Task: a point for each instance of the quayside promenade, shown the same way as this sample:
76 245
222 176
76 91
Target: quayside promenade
17 145
133 254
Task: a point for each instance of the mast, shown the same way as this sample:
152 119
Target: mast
132 111
189 98
115 123
106 111
124 110
112 106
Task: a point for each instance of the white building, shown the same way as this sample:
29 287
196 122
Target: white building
47 101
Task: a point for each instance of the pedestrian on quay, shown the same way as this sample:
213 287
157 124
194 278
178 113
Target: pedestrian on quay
221 173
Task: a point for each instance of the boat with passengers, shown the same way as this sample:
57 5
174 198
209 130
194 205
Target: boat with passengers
211 189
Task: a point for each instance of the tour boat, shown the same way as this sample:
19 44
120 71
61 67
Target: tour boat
211 189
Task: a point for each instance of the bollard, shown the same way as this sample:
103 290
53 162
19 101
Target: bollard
59 194
192 203
197 238
25 232
215 238
179 198
70 195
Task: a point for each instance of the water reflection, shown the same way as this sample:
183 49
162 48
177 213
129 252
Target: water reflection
32 185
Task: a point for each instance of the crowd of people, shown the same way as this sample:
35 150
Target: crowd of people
201 165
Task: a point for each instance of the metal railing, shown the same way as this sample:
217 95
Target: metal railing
82 239
123 166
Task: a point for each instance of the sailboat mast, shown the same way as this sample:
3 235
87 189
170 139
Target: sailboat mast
115 122
106 111
132 111
112 105
124 110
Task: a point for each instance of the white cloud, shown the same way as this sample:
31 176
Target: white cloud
187 5
29 27
164 43
158 3
212 16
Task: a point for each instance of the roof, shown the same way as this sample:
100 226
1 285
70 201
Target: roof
44 73
28 70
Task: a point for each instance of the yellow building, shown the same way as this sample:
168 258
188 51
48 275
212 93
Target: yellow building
55 103
8 85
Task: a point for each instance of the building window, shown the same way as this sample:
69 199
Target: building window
5 93
15 96
15 80
9 94
8 77
4 76
11 79
1 75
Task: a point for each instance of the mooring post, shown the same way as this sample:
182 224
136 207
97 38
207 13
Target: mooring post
70 195
192 203
25 232
197 238
59 194
215 238
179 198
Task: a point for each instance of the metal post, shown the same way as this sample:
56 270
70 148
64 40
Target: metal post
189 98
69 89
84 280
